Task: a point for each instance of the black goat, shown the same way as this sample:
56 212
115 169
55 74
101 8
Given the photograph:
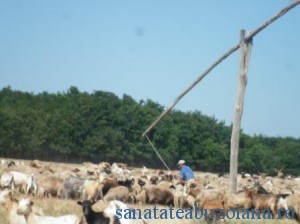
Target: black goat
90 215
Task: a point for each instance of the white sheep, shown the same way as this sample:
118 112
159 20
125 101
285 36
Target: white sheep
32 185
25 209
3 163
144 171
6 180
19 180
115 169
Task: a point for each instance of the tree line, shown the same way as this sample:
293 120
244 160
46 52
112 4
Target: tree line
77 126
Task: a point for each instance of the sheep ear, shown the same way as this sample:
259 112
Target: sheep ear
79 202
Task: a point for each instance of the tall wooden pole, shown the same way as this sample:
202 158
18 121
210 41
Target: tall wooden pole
245 50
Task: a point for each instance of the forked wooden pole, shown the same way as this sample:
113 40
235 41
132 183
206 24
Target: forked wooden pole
245 49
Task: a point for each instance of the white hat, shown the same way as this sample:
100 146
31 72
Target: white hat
181 162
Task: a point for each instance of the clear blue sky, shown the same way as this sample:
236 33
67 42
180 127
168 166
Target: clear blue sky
154 49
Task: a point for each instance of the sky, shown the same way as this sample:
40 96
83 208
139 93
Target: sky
154 49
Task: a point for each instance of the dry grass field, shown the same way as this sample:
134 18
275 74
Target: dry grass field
56 207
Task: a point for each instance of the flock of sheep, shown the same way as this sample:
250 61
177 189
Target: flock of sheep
118 186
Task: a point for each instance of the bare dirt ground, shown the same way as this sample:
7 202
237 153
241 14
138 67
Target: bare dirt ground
57 207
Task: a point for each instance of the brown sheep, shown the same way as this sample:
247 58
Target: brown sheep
159 195
107 184
141 197
119 193
240 200
263 201
51 186
208 195
214 210
193 191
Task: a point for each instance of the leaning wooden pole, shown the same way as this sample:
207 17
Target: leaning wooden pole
218 61
245 50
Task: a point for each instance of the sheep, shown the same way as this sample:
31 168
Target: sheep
126 181
19 180
3 163
102 166
50 186
72 187
6 180
282 206
178 193
208 195
154 180
141 198
213 208
120 193
194 191
263 201
159 195
102 176
11 206
186 201
144 171
35 164
92 190
25 209
137 185
245 175
115 169
293 202
90 215
239 200
141 182
107 184
32 185
115 208
167 177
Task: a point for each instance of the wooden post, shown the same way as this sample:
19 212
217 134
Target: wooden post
245 50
